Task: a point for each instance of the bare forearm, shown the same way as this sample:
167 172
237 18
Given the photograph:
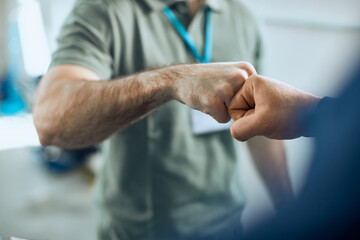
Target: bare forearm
72 112
270 160
80 113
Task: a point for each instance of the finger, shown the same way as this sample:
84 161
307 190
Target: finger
219 113
226 93
245 74
245 70
244 99
227 100
238 103
236 114
249 69
239 80
246 127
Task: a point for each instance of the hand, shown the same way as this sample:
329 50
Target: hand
267 107
210 87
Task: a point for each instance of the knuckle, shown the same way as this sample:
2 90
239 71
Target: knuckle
246 64
210 101
229 90
222 119
215 107
218 109
226 89
248 67
223 115
254 78
240 75
257 80
205 99
216 102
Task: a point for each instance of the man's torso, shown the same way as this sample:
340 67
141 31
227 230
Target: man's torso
159 178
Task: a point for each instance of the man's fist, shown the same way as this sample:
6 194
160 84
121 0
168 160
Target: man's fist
269 108
210 87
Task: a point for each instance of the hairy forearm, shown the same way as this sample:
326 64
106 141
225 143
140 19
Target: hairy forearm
72 112
78 113
270 160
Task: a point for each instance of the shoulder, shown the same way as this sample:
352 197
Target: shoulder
108 6
102 13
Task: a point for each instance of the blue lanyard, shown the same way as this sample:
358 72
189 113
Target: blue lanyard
189 40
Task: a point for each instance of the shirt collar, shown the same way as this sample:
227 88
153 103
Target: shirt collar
158 5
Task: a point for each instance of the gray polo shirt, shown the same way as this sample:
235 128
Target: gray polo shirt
159 179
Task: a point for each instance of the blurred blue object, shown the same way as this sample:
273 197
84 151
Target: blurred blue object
60 160
2 89
12 102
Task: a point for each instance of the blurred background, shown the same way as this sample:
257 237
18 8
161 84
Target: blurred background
46 194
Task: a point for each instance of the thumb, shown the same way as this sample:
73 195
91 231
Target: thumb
246 127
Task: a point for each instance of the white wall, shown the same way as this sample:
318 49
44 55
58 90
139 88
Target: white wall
54 13
3 29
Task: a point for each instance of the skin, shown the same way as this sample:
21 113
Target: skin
72 102
270 162
267 107
194 6
73 109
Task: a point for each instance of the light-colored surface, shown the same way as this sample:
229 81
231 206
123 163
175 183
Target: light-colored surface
54 13
343 14
310 44
17 132
33 39
3 30
35 204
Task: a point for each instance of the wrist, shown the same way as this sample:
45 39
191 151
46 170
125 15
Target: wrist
162 83
314 101
173 78
306 114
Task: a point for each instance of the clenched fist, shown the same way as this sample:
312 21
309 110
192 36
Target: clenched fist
267 107
210 87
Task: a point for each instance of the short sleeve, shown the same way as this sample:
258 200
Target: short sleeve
85 39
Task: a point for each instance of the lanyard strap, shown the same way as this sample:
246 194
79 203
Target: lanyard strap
189 40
